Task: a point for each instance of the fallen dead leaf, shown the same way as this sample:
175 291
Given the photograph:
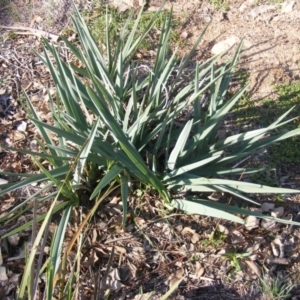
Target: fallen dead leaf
3 275
187 231
277 212
14 239
236 237
215 196
223 229
195 238
253 267
199 270
268 224
251 222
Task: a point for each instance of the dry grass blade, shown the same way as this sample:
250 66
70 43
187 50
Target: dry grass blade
62 274
32 31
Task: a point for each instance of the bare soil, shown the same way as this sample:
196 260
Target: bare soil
270 33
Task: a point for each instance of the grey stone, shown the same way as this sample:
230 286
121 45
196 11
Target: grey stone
224 45
256 11
287 7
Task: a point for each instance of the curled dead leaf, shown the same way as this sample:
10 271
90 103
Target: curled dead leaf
195 238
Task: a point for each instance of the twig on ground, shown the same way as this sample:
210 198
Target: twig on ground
32 31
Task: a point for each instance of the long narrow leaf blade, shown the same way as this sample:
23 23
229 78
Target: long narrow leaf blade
107 179
180 144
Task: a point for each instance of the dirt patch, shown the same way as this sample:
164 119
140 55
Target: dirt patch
270 32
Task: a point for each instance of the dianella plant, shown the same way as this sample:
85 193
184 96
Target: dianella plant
118 123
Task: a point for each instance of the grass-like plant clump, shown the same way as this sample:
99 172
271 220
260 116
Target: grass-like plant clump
118 124
116 21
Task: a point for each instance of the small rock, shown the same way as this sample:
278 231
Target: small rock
287 7
34 145
22 126
267 207
256 11
184 35
243 7
224 45
207 18
39 19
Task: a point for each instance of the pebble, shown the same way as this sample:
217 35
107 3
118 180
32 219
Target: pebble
258 10
287 7
224 45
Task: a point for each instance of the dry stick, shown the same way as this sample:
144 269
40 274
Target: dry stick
32 31
78 254
64 260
